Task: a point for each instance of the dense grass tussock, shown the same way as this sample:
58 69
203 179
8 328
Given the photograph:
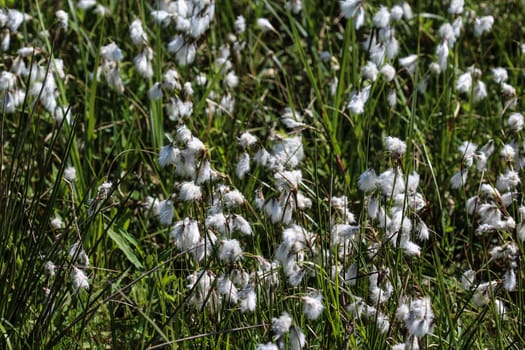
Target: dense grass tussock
262 175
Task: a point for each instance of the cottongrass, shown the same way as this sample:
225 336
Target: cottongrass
275 226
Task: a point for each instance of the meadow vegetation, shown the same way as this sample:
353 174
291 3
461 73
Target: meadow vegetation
271 174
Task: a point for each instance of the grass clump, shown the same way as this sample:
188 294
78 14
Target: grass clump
270 175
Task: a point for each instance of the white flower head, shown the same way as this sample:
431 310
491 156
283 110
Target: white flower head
161 17
459 179
353 9
166 212
57 223
233 199
199 24
410 247
407 11
480 91
185 164
467 279
169 155
358 100
265 25
230 250
194 146
70 173
155 92
63 19
7 81
294 5
288 152
188 89
205 173
509 280
143 63
292 119
468 152
370 71
183 134
500 309
288 180
464 83
218 222
368 181
50 268
483 25
396 12
227 289
509 92
241 225
112 52
248 299
111 73
313 306
281 325
201 80
442 52
508 180
420 318
171 80
104 189
446 32
184 51
231 80
395 146
178 109
240 24
297 338
515 122
78 253
190 192
137 33
422 231
267 346
247 139
391 182
392 98
377 51
79 279
382 17
409 63
499 75
86 4
388 72
456 7
508 152
243 165
186 234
